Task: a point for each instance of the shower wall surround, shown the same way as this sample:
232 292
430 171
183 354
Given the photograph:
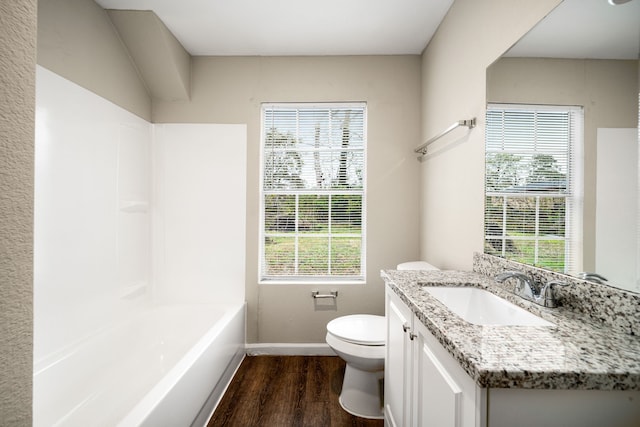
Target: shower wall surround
128 214
91 157
199 195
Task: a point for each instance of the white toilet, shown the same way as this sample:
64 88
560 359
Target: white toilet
416 265
359 340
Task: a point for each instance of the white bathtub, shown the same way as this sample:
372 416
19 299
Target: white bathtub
166 367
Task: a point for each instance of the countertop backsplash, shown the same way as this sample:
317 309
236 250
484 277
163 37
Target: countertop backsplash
612 307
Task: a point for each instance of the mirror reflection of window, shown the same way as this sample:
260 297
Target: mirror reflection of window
533 185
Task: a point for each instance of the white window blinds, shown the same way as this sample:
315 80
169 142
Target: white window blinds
533 184
312 205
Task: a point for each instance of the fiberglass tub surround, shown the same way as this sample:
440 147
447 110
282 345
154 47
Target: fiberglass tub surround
156 369
135 281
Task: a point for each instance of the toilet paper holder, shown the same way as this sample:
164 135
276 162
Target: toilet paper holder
317 294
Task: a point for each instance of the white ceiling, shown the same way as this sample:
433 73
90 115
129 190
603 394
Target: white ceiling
296 27
585 29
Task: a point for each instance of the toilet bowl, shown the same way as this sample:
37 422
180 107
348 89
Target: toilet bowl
359 340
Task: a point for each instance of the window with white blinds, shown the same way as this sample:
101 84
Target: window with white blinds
313 188
533 184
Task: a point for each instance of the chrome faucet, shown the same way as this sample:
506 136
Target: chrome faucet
548 293
527 288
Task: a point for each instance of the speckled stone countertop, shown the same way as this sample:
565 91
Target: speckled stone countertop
576 353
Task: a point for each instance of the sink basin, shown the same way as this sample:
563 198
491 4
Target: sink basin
481 307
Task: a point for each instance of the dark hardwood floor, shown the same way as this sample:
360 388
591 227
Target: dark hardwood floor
283 391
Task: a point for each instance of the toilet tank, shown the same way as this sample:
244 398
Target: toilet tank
416 265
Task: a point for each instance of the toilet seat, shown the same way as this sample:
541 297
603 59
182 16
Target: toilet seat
356 350
361 329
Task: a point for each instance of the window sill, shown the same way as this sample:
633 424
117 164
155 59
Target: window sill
312 282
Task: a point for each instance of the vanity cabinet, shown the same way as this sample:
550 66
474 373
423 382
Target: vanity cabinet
397 373
424 385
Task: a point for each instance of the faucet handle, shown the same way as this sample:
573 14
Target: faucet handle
589 275
594 277
548 293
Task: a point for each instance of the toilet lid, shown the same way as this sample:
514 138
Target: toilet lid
365 329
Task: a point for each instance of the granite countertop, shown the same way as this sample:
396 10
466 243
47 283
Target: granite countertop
576 353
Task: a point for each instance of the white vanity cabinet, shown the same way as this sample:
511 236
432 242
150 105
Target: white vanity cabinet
424 385
398 362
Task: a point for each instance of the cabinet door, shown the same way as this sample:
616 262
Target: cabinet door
437 396
444 395
397 378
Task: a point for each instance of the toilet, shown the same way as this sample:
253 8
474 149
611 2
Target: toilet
359 339
416 265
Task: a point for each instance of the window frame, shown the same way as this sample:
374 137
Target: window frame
308 279
573 195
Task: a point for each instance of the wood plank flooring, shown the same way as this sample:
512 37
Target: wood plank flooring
283 391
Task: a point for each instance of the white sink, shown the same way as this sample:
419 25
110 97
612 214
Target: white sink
481 307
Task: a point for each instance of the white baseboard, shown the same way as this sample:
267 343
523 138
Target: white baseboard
289 349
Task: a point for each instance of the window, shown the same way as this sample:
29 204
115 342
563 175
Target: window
533 185
313 189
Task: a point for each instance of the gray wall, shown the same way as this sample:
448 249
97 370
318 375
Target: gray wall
77 41
17 92
471 37
231 89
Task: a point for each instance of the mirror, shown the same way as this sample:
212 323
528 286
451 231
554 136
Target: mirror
587 53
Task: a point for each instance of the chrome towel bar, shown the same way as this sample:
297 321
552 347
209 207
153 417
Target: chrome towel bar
317 294
471 123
